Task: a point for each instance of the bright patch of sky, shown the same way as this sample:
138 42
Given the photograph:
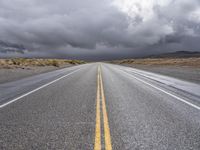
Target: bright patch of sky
142 8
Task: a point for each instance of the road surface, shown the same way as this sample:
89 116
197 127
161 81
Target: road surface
100 106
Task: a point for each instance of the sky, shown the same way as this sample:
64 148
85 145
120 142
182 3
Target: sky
99 29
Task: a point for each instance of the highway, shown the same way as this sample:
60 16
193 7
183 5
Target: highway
100 106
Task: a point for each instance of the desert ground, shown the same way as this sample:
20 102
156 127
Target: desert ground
14 69
182 68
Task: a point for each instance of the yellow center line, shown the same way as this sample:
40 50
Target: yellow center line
101 98
108 145
97 145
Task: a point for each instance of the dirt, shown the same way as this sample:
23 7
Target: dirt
12 74
191 74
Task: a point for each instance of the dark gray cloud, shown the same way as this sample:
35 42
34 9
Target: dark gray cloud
93 29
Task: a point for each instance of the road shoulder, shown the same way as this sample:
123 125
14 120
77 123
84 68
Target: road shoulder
13 74
190 74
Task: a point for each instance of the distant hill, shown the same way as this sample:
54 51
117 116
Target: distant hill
7 47
177 54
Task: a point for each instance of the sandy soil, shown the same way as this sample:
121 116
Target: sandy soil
17 68
191 74
182 68
12 74
190 62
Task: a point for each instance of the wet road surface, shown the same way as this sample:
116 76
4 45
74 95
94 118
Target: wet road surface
100 106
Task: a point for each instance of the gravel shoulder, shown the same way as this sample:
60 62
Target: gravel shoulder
13 74
191 74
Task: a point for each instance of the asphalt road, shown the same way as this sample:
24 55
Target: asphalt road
100 106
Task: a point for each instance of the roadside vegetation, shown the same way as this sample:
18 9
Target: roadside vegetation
23 62
192 62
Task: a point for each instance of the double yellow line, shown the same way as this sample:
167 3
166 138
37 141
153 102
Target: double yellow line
101 105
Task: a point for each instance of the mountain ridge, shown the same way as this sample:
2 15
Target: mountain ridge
177 54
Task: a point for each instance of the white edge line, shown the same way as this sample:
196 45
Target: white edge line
24 95
178 98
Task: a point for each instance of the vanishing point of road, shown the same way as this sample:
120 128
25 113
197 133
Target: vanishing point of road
99 106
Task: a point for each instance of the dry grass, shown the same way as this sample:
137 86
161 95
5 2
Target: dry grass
193 62
21 62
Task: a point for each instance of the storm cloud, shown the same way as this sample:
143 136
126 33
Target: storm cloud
106 29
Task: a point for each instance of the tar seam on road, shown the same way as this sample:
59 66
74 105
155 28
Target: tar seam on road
45 85
172 95
101 99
